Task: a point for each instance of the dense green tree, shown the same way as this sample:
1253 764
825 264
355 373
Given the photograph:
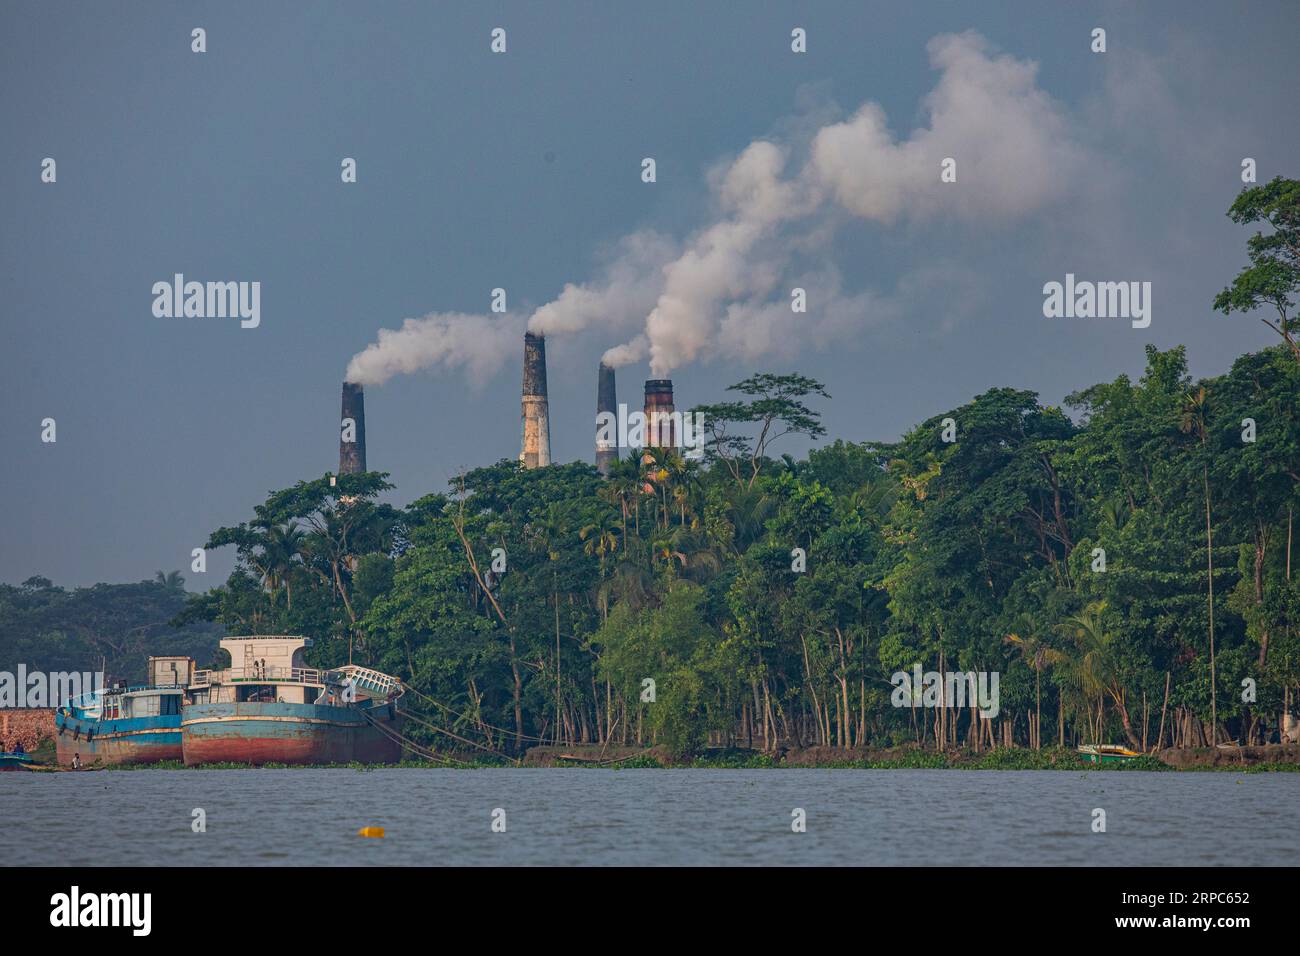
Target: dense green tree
1273 276
1125 569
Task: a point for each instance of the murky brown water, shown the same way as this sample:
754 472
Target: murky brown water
649 817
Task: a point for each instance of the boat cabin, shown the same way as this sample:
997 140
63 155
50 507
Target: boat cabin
263 668
170 671
162 695
128 703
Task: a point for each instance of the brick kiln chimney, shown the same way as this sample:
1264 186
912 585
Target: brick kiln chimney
606 402
535 451
659 425
352 454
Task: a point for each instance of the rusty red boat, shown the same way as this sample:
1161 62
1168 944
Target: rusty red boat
269 708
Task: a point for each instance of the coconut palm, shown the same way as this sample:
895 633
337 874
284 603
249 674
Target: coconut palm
172 580
1038 655
663 547
630 583
281 554
1193 419
601 538
748 510
875 498
1093 666
624 488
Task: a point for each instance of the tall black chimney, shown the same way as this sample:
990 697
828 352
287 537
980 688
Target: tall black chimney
352 453
606 420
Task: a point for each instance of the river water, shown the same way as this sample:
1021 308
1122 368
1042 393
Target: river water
649 817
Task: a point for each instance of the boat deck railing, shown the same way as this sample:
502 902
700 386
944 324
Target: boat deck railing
258 675
373 682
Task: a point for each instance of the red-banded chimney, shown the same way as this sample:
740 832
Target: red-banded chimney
660 429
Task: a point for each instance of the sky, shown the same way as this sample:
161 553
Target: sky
523 170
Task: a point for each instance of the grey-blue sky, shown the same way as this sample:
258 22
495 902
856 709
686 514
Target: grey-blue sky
477 171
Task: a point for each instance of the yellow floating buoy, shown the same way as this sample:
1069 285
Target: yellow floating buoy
377 832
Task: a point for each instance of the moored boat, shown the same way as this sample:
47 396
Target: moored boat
15 761
268 707
1106 753
126 725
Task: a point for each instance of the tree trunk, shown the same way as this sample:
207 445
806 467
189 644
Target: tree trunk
518 695
1163 708
1209 558
1037 743
557 669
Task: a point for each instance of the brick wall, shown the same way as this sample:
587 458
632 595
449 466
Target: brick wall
26 726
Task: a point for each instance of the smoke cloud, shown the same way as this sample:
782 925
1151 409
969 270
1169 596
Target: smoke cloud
1014 155
1012 144
626 291
620 355
479 344
725 288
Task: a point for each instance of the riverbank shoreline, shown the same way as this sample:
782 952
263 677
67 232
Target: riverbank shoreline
1272 758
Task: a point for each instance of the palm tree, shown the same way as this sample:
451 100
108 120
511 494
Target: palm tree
281 552
626 486
658 469
1038 655
601 537
681 495
1094 667
172 580
663 547
874 499
622 486
685 551
547 535
1194 420
631 583
748 510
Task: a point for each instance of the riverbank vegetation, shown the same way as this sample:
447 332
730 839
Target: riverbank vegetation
1019 758
1124 563
108 627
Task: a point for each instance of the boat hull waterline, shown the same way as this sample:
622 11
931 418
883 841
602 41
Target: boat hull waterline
261 733
127 741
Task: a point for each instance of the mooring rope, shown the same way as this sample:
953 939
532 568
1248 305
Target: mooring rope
478 720
492 727
442 730
408 744
603 763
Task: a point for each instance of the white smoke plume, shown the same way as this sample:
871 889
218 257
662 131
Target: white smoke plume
623 295
477 343
725 288
626 354
717 265
760 327
1012 144
1014 155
